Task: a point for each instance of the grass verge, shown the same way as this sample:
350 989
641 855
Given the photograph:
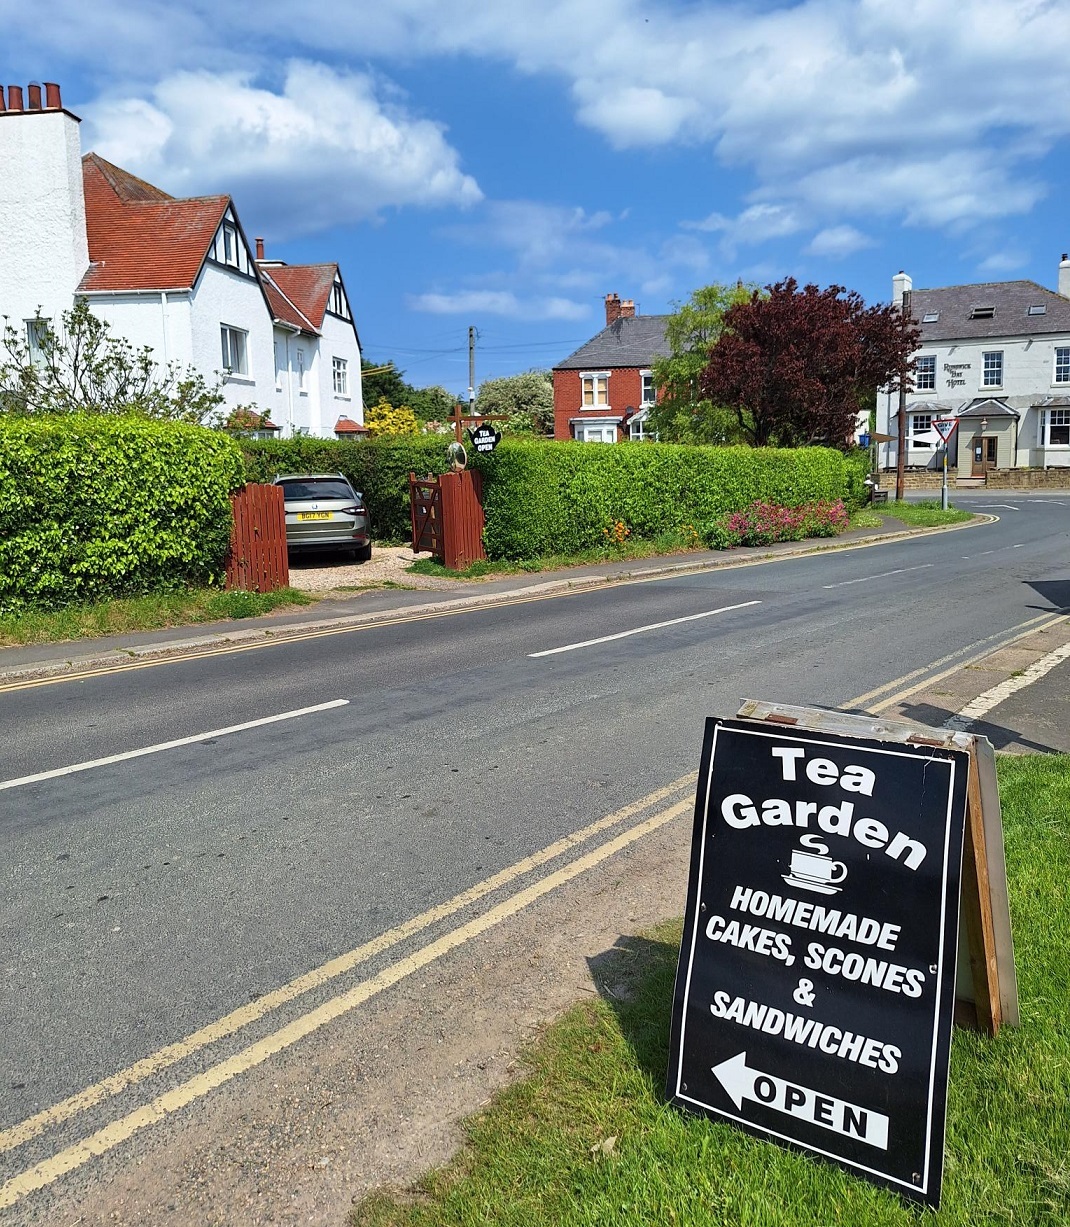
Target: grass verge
142 613
927 513
586 1138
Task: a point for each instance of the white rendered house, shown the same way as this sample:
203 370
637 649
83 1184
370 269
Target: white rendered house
996 356
175 274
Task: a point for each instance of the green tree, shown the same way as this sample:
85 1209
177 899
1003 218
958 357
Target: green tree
432 404
527 400
683 414
382 381
80 367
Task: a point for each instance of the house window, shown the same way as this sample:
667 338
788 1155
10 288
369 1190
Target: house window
992 376
920 424
340 374
1062 364
588 433
235 350
637 429
649 394
337 304
595 389
278 367
301 370
925 373
1058 432
36 337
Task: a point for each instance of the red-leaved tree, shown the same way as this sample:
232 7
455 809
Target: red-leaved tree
794 365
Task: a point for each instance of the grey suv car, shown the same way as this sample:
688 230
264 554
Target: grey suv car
324 512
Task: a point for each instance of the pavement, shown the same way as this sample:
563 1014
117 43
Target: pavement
1018 696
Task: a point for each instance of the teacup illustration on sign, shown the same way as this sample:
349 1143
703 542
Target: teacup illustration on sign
812 868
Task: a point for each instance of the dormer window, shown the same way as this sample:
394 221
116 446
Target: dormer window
982 313
337 304
229 248
1037 309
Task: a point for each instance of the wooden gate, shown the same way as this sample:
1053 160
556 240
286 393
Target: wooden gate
447 517
257 559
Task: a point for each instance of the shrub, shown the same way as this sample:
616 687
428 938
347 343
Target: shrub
557 498
96 507
765 523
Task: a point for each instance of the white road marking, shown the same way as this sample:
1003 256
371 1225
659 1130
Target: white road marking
169 745
866 578
1006 506
638 630
984 703
1017 547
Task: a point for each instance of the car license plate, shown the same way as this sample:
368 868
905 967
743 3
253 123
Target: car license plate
313 515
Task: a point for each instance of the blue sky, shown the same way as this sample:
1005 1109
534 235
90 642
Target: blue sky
506 165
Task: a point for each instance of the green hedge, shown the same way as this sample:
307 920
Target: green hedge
95 507
378 468
558 498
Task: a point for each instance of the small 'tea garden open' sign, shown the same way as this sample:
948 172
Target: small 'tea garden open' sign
816 985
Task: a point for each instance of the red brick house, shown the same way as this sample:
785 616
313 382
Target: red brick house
604 391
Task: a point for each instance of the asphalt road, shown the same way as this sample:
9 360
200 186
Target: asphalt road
146 897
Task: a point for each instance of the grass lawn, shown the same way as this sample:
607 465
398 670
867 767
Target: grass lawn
926 514
142 613
586 1139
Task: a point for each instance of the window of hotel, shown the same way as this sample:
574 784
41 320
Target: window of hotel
340 374
920 424
235 351
595 385
992 376
1058 428
1062 364
649 393
925 373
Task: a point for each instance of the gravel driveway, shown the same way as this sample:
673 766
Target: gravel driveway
332 572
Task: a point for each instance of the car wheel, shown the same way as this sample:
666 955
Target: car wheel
363 553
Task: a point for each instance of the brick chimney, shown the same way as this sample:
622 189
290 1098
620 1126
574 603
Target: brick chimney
613 308
627 309
259 249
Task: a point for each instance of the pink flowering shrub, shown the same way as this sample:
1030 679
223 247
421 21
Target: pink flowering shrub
765 523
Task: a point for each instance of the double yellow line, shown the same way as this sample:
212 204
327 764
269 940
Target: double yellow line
111 1135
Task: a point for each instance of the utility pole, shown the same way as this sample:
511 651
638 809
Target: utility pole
471 370
901 444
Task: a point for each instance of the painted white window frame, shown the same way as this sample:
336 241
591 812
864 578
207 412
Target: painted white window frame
302 372
1059 418
992 364
649 393
637 430
36 330
1061 365
595 431
278 367
598 381
925 375
235 349
340 376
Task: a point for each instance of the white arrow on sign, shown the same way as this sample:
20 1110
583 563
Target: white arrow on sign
944 427
741 1081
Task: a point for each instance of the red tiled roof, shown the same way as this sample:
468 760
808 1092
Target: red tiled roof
307 286
346 426
282 308
139 237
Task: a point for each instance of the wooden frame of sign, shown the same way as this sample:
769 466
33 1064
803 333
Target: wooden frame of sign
986 987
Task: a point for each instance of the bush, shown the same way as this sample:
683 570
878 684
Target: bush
766 523
561 498
98 507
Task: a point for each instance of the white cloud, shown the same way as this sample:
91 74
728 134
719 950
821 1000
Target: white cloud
1007 261
836 242
499 302
326 149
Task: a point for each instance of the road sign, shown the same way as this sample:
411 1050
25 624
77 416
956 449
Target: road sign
816 985
944 427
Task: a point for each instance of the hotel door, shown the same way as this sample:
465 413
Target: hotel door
984 454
